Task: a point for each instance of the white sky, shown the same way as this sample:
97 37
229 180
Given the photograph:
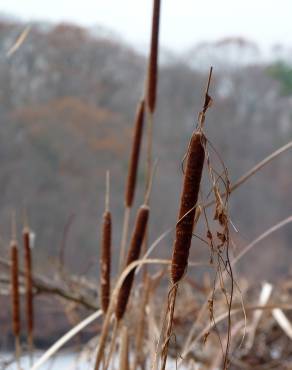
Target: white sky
184 22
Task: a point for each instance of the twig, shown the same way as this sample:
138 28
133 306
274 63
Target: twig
43 285
253 170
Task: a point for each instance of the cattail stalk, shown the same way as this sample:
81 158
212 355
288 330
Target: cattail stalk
184 227
15 298
187 216
132 177
151 90
190 194
105 260
112 346
28 289
105 264
133 254
124 350
121 296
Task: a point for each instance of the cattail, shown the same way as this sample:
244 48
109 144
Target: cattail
134 159
188 216
187 211
15 289
105 260
153 58
133 255
28 284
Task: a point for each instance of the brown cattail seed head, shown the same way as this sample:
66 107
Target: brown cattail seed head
133 255
105 260
153 58
134 159
15 289
187 211
28 280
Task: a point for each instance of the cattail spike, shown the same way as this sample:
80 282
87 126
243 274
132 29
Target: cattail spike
133 255
132 178
153 58
28 287
189 197
134 159
105 258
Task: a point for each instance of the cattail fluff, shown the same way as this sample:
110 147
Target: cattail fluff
15 289
105 260
153 58
134 159
28 281
187 211
133 255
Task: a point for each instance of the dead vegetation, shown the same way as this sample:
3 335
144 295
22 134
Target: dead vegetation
216 322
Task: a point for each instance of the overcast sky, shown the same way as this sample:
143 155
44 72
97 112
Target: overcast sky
184 22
